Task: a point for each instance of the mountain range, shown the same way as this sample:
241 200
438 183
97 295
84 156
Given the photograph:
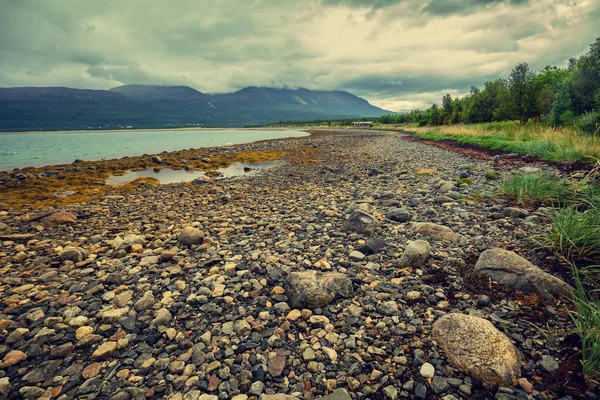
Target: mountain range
147 106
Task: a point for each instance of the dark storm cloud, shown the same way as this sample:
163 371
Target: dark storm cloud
396 53
449 7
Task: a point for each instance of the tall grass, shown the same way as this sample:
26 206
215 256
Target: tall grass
586 318
548 143
535 188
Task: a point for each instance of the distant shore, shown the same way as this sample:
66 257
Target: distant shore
153 130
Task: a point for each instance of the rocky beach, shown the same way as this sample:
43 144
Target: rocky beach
366 265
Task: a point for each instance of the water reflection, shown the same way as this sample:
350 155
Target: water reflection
168 175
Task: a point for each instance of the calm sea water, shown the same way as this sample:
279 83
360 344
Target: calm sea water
39 149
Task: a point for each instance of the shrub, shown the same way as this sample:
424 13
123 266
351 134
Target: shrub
589 123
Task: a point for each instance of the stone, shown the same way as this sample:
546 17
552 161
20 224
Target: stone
413 295
439 385
399 215
5 387
361 222
311 289
434 231
162 317
514 212
75 254
548 363
276 365
515 272
146 302
114 315
356 255
190 236
390 392
156 159
338 394
475 346
13 357
427 370
389 308
104 351
277 397
415 254
58 218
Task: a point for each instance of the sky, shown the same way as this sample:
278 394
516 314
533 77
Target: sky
397 54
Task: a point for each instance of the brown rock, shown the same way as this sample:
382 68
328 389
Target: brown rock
13 357
104 351
434 231
276 365
91 370
476 347
59 218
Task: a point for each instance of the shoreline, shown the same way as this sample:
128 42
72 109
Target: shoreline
41 186
147 130
124 275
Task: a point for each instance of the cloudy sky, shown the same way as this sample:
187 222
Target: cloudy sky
398 54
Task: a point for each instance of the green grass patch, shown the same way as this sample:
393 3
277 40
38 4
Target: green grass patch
531 188
575 233
492 175
586 318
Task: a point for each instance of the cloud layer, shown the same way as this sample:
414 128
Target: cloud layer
398 54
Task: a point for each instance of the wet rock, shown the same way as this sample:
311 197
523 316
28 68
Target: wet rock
311 289
515 272
415 254
476 347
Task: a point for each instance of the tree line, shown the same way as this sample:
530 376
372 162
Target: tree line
556 96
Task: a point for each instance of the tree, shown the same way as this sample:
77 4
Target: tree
520 87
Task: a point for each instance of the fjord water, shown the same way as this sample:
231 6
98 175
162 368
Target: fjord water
49 148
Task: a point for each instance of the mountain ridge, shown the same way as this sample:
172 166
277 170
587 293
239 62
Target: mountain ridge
156 106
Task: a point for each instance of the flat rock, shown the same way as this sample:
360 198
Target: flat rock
434 231
311 289
75 254
338 394
476 347
515 272
58 218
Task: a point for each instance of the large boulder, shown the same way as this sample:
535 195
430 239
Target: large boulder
515 272
434 231
415 254
476 347
361 222
58 218
311 289
190 236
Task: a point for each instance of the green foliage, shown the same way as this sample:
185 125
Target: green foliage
586 318
590 123
555 95
575 232
528 188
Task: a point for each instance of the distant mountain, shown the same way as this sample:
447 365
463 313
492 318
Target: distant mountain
145 106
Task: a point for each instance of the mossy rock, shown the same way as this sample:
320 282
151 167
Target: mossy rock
464 181
492 175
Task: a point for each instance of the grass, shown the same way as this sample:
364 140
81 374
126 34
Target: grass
575 233
548 143
586 318
529 188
